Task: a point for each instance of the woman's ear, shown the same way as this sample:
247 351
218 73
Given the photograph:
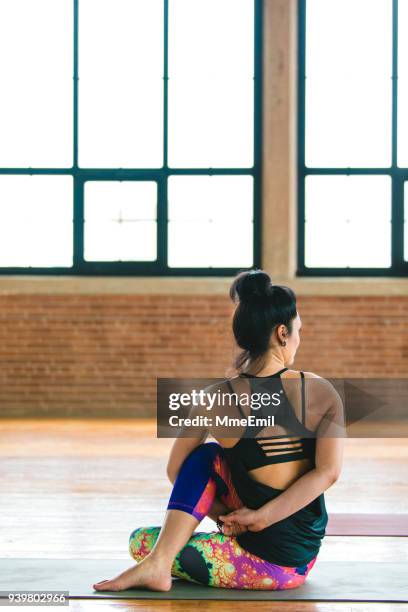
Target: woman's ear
282 332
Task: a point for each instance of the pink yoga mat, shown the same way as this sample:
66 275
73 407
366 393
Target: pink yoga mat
368 524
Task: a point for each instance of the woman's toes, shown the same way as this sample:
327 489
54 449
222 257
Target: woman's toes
105 585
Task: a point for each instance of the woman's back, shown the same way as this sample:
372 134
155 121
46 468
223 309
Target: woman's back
275 455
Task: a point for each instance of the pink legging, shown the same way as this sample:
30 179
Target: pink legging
214 559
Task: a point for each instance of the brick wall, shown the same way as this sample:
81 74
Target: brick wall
82 355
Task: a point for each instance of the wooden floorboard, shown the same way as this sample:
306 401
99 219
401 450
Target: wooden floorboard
77 488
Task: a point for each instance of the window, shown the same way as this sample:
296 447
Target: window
131 136
353 143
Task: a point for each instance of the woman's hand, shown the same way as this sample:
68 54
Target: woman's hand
253 520
233 529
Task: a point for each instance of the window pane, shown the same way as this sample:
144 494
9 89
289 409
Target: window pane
36 221
210 221
406 221
403 84
211 87
120 111
36 102
120 221
348 222
348 84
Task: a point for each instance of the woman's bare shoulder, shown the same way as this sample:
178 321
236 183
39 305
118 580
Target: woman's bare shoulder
312 375
314 382
296 374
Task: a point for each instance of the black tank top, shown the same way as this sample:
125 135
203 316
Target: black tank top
259 451
295 540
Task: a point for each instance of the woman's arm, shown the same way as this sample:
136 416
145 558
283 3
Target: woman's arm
329 452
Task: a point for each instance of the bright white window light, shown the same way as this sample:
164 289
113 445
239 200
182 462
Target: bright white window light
403 83
210 221
348 221
348 86
120 221
36 215
120 92
406 221
36 70
211 86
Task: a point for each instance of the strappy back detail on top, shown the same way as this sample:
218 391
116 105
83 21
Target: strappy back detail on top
254 451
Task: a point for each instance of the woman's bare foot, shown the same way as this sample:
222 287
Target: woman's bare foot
145 574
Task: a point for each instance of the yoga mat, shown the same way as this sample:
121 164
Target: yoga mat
327 581
367 525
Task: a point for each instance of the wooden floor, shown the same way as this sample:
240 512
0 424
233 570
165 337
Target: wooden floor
77 488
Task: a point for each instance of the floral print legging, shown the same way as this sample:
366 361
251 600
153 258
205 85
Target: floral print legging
214 559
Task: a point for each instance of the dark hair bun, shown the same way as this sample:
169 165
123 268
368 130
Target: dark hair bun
259 307
251 284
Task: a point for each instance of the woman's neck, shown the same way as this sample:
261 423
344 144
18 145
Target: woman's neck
269 365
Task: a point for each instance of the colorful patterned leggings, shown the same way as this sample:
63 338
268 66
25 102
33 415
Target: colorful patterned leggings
214 559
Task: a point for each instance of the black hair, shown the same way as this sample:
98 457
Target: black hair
261 306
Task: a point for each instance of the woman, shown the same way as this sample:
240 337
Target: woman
266 492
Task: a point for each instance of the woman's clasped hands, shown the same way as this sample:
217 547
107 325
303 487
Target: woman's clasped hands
241 520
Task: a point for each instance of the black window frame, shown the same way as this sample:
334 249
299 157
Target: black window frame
159 267
399 267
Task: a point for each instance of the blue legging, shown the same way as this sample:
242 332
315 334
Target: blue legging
214 559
